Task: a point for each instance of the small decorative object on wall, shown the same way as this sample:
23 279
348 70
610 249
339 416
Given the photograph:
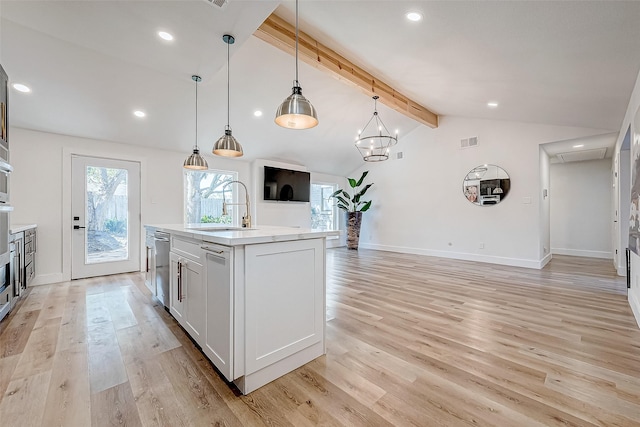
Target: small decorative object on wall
634 217
353 206
486 185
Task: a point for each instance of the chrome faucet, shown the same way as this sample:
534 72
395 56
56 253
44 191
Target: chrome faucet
246 220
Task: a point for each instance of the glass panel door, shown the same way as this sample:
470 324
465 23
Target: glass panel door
106 216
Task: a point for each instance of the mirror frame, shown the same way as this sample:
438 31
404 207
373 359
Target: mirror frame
473 192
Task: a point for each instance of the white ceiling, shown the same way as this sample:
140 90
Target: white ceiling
91 63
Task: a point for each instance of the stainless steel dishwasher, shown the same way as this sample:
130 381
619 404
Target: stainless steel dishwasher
162 267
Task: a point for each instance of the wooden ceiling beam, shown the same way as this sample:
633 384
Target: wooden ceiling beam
279 33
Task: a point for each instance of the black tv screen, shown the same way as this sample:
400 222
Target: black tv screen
286 185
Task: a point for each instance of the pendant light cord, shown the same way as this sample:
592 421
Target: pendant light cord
296 43
196 114
228 84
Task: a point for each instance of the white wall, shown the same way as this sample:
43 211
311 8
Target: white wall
581 194
41 183
632 108
418 203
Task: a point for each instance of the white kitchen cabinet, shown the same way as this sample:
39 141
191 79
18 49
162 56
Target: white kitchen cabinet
254 300
284 291
219 334
188 288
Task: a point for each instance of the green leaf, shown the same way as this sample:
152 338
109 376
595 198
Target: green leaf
364 174
352 182
335 193
341 200
364 190
346 195
343 207
366 206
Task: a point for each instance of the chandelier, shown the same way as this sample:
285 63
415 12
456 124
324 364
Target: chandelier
375 147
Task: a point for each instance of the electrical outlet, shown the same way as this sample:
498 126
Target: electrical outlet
481 245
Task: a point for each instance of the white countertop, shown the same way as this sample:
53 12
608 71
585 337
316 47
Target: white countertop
216 233
17 228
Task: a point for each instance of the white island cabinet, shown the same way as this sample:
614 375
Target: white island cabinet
254 300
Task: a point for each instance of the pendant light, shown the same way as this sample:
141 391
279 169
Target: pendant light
195 161
227 146
296 112
375 147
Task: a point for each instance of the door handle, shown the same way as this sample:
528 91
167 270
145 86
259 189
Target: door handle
77 227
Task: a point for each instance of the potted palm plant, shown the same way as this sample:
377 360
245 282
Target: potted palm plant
353 206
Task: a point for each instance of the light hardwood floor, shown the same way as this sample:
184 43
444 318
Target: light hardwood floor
411 341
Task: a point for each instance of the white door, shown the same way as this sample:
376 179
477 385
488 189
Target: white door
105 205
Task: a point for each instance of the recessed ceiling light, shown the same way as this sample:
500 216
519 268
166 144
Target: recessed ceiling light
578 146
257 113
139 113
492 104
165 36
21 88
414 16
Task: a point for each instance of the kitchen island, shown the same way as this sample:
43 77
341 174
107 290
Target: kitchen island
252 299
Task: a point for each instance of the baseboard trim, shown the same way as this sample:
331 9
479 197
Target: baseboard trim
634 303
47 279
544 261
513 262
582 253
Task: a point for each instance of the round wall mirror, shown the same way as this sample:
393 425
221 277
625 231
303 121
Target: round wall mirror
486 185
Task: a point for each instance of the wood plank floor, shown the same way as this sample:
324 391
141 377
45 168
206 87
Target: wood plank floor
411 341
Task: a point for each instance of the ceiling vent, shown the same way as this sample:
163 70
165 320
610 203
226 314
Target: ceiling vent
219 3
469 142
580 156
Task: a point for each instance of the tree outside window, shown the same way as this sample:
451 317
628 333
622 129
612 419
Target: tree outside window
203 197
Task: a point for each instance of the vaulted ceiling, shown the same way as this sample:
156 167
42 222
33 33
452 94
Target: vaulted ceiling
91 63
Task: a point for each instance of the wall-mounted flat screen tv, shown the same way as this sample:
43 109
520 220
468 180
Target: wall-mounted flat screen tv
286 185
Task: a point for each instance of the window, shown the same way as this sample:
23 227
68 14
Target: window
323 211
203 197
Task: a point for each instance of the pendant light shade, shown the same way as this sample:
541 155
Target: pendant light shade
296 112
195 161
375 147
227 145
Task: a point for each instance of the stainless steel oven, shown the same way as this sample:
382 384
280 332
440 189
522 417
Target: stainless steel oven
5 252
5 170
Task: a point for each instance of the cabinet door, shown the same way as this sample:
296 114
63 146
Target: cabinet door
195 299
176 289
284 302
219 342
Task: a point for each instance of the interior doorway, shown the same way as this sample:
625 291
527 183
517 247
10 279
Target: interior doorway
105 208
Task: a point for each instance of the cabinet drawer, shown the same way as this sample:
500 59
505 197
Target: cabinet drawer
30 271
28 257
187 248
